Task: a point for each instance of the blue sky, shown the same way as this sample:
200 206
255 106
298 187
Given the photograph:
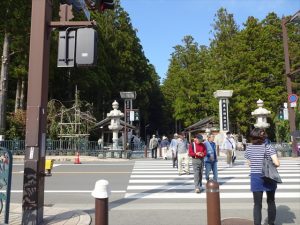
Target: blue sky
162 24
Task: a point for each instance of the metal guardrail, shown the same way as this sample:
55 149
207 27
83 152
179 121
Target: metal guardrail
91 148
285 149
5 181
70 147
17 147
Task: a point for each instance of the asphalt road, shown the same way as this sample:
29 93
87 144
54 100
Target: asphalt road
71 184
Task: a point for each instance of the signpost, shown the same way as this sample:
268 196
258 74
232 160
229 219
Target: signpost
37 98
285 111
5 181
293 98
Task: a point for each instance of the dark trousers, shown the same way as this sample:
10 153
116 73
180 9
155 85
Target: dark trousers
154 153
198 171
257 197
174 159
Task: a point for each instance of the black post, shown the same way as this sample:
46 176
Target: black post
37 97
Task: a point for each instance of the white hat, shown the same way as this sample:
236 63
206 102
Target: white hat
175 135
164 138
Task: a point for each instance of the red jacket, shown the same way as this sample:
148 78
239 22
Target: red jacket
199 148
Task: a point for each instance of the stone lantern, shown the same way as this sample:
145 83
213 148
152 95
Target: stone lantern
261 115
115 125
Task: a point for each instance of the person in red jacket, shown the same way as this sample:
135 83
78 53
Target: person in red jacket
197 151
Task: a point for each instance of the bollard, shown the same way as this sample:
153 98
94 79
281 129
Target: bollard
213 203
49 166
101 194
145 152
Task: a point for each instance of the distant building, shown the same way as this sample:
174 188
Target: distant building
208 124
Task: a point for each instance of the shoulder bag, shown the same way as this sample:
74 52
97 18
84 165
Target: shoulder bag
269 170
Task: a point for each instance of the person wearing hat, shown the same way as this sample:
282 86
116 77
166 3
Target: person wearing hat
197 151
172 146
182 154
229 146
164 147
153 144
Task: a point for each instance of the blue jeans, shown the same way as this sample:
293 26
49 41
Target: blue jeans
211 166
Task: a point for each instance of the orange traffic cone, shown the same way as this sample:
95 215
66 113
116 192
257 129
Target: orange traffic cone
77 160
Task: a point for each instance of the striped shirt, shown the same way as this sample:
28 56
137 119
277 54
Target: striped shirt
255 154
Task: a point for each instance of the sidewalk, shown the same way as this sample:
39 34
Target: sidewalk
52 215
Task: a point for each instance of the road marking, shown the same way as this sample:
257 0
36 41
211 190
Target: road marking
65 191
191 176
83 172
229 180
192 187
240 195
220 168
158 180
84 164
100 164
159 171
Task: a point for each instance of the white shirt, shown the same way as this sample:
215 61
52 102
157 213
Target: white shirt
229 144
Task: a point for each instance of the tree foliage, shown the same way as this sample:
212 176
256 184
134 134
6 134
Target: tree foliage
121 66
248 61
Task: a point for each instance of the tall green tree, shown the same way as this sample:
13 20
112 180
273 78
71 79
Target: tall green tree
248 61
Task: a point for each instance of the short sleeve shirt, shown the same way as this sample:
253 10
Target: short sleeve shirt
255 154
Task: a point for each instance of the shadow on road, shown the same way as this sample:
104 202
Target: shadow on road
283 216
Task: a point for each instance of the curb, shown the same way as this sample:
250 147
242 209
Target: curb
51 215
20 158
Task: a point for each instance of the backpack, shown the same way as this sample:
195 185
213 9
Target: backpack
155 143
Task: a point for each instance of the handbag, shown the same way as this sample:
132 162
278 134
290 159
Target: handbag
269 170
233 157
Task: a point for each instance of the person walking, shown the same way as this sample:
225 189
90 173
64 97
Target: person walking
229 146
197 151
153 144
255 155
182 155
100 143
211 158
164 147
172 146
244 142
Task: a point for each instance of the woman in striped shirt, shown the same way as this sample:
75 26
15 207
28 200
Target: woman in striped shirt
255 155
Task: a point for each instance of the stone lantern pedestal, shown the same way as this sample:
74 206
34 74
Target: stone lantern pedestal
261 115
115 126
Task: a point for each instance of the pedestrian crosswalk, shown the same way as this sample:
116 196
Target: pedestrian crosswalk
158 180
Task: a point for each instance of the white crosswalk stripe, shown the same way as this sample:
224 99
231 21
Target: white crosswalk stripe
158 180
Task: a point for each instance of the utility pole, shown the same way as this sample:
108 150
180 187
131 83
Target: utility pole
37 97
292 116
3 82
